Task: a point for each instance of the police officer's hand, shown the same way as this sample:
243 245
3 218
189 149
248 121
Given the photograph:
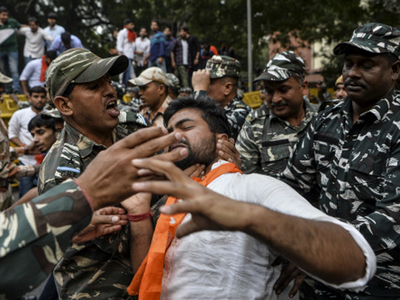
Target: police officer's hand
109 177
201 80
227 151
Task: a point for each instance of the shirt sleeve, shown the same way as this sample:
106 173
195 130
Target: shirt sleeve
23 30
36 234
120 41
47 36
162 46
247 148
26 72
13 126
55 45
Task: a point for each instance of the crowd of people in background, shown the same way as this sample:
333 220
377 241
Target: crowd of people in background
312 188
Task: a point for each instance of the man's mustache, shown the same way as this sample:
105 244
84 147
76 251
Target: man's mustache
183 141
353 82
279 104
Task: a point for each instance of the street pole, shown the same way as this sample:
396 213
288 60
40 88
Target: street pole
249 48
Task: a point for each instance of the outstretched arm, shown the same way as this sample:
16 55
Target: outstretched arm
310 244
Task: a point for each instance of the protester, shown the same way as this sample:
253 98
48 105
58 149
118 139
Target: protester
142 49
54 30
20 135
180 58
194 51
34 72
350 156
270 132
174 86
126 46
155 58
9 49
35 38
169 40
64 42
340 91
235 265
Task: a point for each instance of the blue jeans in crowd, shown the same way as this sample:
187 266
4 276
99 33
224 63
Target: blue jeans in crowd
9 67
127 74
155 63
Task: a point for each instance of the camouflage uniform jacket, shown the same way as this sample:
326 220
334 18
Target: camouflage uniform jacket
236 112
101 267
357 168
33 237
266 141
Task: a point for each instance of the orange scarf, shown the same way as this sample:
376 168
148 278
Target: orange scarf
131 35
44 68
148 279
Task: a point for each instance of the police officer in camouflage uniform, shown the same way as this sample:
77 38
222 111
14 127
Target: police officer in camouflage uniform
351 155
35 235
79 85
270 132
174 86
220 81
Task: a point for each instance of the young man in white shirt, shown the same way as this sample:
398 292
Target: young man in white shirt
125 46
54 30
34 41
19 134
142 48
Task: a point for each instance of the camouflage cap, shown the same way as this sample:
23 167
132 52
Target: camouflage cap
79 65
150 75
4 78
374 38
222 66
52 113
283 66
173 81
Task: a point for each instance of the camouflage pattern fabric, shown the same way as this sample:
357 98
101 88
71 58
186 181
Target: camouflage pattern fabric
236 112
102 267
79 65
35 235
266 141
373 37
283 66
149 75
174 82
23 104
132 106
357 167
222 66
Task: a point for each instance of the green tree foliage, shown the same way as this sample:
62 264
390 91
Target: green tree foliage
331 21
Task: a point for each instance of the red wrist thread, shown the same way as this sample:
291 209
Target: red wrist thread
140 217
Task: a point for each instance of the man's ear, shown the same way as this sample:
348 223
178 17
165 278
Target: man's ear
64 105
304 86
228 88
396 70
221 136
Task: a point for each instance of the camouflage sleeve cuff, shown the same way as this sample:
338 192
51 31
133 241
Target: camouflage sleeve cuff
25 171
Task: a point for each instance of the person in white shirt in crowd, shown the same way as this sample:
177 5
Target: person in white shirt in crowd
19 134
54 30
34 72
34 40
142 48
125 46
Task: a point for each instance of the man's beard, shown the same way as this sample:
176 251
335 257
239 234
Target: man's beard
204 156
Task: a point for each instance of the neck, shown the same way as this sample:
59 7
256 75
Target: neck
359 110
52 26
227 100
155 109
298 118
102 138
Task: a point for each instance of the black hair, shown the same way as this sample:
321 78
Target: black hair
33 19
143 27
211 113
68 90
156 21
52 15
3 9
41 120
66 38
52 54
127 21
185 29
167 26
37 89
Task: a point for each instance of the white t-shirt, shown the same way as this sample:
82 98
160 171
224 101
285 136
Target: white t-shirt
34 41
185 52
18 127
234 265
124 45
141 46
